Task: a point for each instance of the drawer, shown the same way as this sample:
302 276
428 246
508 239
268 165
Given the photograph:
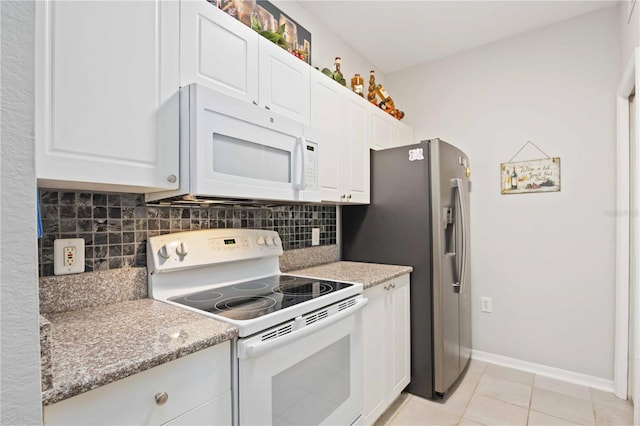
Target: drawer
189 382
212 413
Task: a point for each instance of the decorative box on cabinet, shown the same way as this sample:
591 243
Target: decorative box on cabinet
195 389
387 131
342 118
386 340
107 95
223 54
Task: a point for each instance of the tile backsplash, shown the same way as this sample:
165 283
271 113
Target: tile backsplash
115 226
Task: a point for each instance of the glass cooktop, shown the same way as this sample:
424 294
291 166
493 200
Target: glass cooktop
252 299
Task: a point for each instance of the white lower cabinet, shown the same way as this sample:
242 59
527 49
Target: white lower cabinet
197 389
386 341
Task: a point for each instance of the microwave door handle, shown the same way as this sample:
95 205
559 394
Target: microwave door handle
300 142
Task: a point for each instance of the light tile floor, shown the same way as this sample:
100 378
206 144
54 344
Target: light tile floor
492 395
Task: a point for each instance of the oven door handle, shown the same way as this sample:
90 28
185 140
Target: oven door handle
252 348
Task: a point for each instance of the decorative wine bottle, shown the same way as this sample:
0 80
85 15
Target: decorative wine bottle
337 74
357 84
371 96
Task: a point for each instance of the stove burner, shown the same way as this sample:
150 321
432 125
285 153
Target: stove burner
246 303
205 296
315 289
287 278
252 285
252 299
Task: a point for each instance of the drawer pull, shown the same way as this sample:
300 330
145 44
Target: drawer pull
161 398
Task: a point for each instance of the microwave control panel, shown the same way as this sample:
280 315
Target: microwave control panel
311 166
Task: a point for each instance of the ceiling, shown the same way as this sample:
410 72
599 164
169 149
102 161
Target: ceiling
395 34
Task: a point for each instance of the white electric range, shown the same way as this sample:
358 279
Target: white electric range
298 356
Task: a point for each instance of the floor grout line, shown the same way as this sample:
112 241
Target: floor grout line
472 390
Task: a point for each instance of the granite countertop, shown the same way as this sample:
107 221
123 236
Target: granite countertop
369 274
95 346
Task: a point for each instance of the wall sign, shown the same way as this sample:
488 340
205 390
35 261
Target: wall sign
541 175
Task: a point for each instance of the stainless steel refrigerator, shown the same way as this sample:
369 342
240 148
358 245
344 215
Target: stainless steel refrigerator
419 216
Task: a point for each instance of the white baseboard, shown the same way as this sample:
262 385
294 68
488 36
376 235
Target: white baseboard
543 370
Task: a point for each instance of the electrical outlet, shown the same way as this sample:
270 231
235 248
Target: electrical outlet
486 304
68 256
315 236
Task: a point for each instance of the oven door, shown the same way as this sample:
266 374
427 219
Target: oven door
311 375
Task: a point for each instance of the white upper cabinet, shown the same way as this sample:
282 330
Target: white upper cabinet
381 125
284 82
355 150
107 78
403 134
325 115
217 51
342 118
387 131
223 54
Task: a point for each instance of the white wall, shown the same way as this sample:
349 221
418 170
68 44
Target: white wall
20 399
546 259
629 24
325 46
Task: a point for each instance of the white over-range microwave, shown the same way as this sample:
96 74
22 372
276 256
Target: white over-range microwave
231 150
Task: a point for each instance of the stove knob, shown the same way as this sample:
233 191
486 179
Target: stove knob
260 241
164 252
276 241
182 249
268 240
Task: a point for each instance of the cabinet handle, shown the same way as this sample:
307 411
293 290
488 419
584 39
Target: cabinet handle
255 102
349 197
342 197
267 107
172 178
161 398
393 285
387 287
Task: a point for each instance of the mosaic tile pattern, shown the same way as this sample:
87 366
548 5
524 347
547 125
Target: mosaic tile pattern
115 226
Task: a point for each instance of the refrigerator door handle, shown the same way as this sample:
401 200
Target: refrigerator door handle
458 184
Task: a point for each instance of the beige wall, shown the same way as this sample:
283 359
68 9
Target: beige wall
547 260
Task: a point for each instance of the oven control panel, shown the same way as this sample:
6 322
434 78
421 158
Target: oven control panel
211 246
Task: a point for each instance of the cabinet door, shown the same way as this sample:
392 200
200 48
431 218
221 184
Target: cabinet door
403 134
214 412
107 94
382 128
284 82
217 51
399 337
325 116
189 382
355 173
374 348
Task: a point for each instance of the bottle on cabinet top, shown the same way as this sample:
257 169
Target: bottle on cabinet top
357 84
371 95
